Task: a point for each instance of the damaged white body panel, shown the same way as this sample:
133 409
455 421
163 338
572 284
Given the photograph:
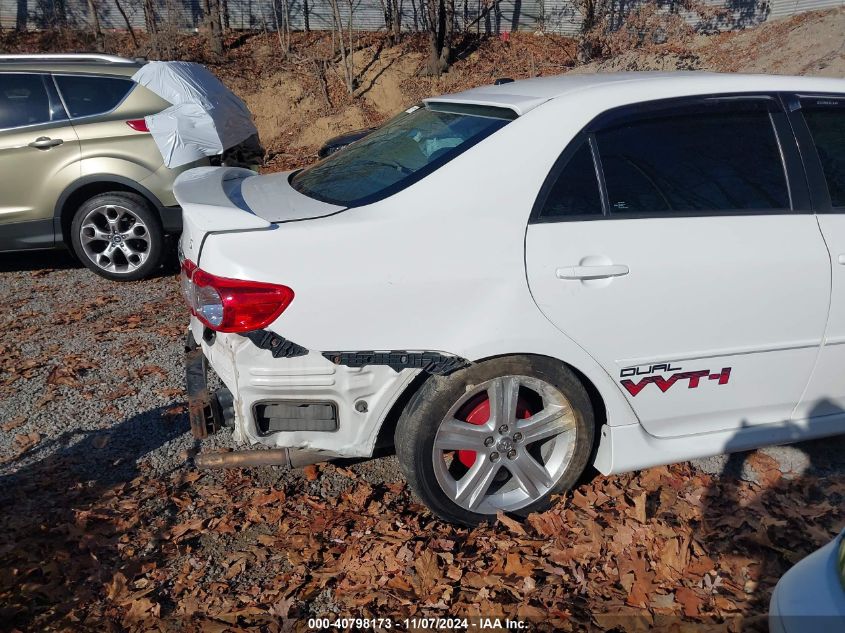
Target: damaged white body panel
254 377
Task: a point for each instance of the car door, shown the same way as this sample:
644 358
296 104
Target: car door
819 122
39 154
670 242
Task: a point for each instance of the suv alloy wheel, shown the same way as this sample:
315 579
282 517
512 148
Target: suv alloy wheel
118 236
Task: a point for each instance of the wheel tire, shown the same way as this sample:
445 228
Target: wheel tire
440 396
139 251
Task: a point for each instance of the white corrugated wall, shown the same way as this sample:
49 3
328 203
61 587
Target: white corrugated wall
556 16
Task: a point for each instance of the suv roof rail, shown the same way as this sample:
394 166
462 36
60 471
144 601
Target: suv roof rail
69 57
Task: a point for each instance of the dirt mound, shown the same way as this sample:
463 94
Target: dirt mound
807 44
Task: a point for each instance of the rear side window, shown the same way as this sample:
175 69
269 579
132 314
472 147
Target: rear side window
87 95
23 100
826 121
401 152
711 160
576 189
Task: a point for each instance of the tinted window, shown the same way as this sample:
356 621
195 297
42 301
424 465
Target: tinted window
23 100
576 189
399 153
84 96
711 160
827 125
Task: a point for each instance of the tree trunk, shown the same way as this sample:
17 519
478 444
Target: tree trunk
21 16
129 28
433 19
95 25
305 18
224 14
151 22
288 28
213 28
448 30
347 71
397 21
388 21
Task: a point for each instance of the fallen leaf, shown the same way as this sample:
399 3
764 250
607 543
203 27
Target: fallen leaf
13 423
688 599
511 524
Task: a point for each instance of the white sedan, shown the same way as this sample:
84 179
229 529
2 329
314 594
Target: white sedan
518 281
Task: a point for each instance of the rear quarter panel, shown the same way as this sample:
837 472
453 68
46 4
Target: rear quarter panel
109 146
438 266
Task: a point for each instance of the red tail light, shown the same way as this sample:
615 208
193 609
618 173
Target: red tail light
232 305
139 125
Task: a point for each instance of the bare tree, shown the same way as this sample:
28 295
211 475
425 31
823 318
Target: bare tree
129 28
441 25
224 14
392 20
593 14
95 26
320 73
283 31
345 55
213 26
151 23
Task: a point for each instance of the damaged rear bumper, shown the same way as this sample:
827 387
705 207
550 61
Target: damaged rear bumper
305 403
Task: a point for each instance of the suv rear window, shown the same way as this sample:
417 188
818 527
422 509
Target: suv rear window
826 120
401 152
23 100
705 161
87 95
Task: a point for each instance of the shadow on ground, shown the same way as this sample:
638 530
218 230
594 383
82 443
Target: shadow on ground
766 522
56 259
55 553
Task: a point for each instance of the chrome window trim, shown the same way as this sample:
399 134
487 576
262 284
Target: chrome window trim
96 75
51 122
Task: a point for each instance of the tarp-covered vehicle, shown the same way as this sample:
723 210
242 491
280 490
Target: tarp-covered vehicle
205 120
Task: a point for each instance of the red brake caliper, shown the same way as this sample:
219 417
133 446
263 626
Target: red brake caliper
479 415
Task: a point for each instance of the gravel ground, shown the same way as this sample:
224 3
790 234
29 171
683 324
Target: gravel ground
93 371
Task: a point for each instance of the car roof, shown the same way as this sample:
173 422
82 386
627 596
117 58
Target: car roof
72 63
524 95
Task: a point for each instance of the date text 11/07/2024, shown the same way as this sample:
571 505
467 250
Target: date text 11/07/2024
419 624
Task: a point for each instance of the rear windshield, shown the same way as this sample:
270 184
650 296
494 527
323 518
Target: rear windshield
401 152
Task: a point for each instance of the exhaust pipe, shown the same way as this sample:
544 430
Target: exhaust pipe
289 457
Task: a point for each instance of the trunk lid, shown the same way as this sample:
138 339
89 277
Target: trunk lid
227 199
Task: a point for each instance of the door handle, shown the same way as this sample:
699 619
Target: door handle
45 142
592 272
842 259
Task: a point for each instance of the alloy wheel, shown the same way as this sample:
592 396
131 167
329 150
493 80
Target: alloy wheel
504 444
115 239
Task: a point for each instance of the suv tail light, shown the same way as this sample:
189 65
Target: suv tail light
232 305
139 125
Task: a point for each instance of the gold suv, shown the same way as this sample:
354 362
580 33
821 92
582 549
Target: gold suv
78 167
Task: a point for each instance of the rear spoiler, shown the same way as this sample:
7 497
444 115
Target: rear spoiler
212 197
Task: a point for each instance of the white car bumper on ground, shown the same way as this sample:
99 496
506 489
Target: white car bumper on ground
281 402
810 598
